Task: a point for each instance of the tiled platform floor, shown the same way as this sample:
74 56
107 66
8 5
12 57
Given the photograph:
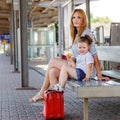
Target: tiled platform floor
14 103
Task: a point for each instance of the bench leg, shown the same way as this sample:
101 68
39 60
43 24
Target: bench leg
85 108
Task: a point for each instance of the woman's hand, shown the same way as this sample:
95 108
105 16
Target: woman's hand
100 77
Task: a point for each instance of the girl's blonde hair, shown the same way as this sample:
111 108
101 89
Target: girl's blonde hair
73 30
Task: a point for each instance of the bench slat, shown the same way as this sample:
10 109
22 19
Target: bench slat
112 73
109 53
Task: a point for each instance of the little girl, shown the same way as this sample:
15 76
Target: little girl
79 68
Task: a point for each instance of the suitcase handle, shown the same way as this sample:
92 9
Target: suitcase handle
53 91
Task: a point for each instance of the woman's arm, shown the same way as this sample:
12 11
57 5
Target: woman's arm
98 69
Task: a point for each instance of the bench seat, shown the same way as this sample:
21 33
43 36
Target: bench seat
94 89
112 73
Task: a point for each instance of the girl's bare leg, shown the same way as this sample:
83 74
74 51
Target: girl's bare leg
55 63
65 72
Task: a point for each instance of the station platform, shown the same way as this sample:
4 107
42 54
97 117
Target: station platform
14 103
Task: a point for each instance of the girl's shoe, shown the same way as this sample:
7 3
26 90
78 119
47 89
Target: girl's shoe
60 88
36 98
57 87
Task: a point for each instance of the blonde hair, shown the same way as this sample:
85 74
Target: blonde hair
73 30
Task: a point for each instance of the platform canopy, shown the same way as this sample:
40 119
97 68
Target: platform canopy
41 13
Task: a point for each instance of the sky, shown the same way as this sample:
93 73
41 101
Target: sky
102 8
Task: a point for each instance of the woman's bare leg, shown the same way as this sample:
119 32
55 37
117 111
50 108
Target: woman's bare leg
54 76
54 63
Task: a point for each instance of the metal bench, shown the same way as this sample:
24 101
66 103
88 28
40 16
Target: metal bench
95 88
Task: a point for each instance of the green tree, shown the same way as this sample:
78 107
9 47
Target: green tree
100 19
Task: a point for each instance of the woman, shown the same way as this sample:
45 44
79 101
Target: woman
78 27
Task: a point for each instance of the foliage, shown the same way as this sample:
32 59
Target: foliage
100 19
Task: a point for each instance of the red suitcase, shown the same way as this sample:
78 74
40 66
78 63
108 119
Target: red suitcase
53 105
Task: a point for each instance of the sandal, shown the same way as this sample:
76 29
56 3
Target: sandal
36 98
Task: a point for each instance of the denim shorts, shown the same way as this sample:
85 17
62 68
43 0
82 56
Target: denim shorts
80 74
